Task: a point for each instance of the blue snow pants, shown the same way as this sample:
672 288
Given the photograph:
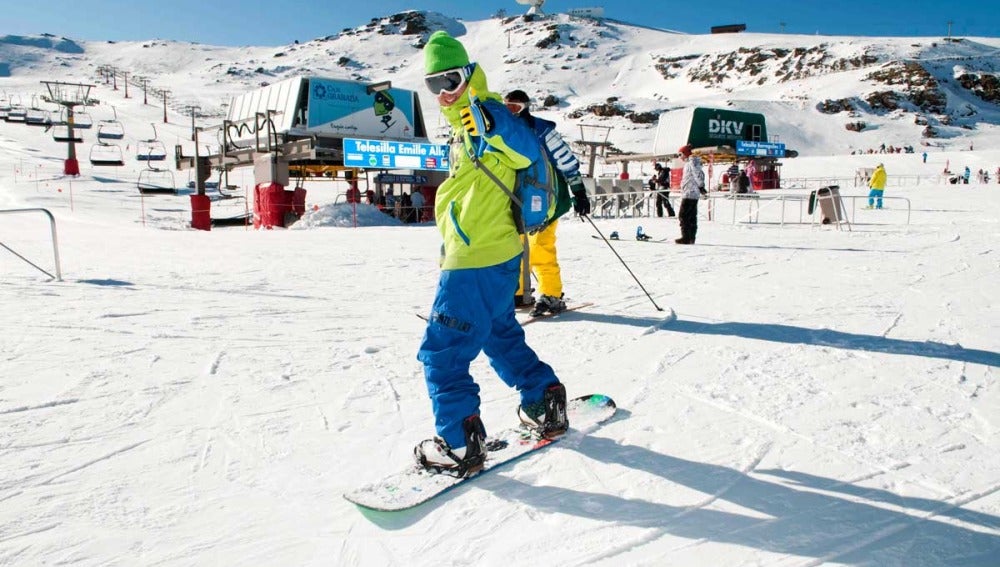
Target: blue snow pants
875 195
473 312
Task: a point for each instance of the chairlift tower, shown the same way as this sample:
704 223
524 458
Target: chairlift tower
535 9
594 141
69 95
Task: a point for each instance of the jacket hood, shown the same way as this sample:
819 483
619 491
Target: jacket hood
477 82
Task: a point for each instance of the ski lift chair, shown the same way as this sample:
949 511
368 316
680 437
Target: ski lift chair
15 109
618 189
151 150
222 186
37 117
156 181
111 129
16 114
637 197
82 120
604 190
60 133
103 154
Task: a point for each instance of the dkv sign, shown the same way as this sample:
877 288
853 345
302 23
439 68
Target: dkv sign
725 128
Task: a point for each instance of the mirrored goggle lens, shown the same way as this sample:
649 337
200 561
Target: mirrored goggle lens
515 107
448 82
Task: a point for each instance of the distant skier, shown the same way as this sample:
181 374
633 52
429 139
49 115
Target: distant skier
662 184
877 186
744 182
692 188
542 257
733 176
473 311
417 198
966 175
925 157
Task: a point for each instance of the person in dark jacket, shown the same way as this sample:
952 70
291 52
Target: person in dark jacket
663 191
744 182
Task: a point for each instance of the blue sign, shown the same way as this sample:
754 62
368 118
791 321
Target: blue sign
760 149
386 154
397 178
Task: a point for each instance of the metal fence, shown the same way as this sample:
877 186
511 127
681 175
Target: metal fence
55 241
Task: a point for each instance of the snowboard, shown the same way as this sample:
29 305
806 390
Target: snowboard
548 315
415 485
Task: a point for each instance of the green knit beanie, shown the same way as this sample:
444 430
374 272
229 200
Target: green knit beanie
443 52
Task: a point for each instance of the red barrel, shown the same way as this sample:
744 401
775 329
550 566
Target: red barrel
269 205
201 212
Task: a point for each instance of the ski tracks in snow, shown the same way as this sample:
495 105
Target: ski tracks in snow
750 461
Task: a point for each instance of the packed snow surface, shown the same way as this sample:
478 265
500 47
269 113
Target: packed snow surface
803 395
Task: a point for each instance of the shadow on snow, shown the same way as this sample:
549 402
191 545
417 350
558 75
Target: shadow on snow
800 521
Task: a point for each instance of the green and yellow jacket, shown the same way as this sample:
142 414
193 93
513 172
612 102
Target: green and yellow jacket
473 214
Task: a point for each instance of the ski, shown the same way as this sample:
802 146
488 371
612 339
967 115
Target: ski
529 320
547 315
654 240
415 485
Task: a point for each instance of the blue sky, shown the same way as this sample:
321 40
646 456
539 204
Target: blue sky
253 22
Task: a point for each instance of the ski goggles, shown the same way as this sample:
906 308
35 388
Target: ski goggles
447 82
515 107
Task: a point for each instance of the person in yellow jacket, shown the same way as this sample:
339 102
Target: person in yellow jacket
542 244
877 186
473 308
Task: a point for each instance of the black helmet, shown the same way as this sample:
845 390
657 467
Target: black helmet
517 96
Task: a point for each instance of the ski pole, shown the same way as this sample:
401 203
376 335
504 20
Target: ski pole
658 308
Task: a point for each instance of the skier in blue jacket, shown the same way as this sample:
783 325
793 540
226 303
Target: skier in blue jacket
542 244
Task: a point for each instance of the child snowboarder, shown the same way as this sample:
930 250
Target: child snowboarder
473 309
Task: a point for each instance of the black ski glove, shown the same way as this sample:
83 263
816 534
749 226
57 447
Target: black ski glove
581 203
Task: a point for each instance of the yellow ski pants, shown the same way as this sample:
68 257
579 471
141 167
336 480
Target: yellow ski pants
543 262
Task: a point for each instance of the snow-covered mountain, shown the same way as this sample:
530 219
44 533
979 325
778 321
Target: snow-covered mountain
897 91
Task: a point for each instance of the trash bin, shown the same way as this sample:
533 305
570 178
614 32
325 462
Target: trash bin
831 207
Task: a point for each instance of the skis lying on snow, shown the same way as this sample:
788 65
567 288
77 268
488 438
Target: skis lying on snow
627 240
416 485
